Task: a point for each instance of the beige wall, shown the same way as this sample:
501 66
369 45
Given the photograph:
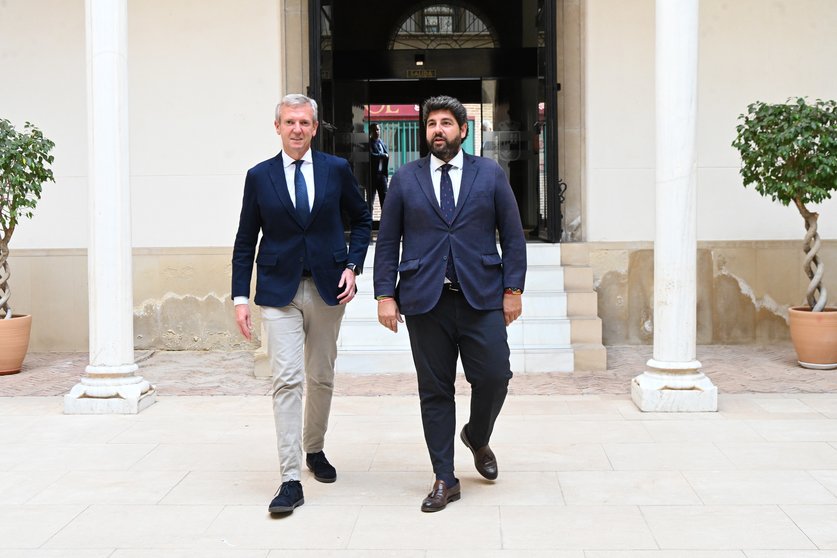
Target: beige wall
744 289
749 50
204 77
181 296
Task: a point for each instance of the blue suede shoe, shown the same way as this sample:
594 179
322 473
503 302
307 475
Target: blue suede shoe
288 497
319 465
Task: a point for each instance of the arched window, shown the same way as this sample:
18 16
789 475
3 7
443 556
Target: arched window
443 26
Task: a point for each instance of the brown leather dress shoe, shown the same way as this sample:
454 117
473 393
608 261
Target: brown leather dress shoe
440 496
484 459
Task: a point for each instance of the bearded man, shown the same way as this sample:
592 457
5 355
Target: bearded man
457 291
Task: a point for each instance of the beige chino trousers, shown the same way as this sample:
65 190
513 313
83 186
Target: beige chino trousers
301 345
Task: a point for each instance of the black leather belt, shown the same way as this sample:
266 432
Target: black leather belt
453 287
306 273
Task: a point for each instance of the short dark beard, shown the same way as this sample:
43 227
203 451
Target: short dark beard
447 151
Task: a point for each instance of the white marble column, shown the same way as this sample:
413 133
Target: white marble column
673 380
109 384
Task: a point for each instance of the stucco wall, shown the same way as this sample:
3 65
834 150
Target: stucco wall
743 289
204 77
749 50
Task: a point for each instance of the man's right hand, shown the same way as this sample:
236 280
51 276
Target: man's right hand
242 318
388 314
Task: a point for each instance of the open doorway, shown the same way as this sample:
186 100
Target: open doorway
378 61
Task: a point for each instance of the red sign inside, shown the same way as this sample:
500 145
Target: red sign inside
392 112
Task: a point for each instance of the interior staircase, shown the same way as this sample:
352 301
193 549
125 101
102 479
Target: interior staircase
559 330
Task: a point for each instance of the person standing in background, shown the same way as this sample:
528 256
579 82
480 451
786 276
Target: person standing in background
379 158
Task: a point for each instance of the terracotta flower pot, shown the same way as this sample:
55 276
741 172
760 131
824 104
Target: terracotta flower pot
14 342
814 336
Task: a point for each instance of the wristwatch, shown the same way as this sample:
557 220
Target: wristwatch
353 267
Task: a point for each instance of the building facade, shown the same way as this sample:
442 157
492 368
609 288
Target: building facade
564 92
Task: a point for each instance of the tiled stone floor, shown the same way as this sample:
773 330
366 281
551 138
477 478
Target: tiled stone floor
583 473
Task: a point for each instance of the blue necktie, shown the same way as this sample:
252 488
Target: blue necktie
448 209
301 191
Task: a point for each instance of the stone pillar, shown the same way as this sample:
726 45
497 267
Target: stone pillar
109 384
673 380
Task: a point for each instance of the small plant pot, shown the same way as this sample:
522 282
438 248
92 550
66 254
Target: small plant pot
14 342
814 336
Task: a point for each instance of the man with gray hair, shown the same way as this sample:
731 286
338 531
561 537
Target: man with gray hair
305 275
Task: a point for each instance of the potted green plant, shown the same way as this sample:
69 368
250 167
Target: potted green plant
789 152
24 167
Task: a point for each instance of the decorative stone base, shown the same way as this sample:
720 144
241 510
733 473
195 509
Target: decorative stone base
675 393
110 406
126 395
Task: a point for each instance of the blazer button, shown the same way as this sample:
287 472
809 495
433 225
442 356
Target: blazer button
444 258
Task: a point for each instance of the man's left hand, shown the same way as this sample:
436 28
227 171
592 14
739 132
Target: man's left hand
347 284
512 307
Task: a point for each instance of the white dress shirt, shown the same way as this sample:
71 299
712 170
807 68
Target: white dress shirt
307 172
455 174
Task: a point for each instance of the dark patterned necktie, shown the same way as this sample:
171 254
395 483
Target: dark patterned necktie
301 190
448 208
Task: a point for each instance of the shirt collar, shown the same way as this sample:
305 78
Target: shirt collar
456 162
288 161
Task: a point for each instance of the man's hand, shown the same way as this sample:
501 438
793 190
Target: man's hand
512 307
388 314
347 283
242 318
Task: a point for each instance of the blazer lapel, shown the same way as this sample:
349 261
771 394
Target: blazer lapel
426 184
469 175
321 182
280 186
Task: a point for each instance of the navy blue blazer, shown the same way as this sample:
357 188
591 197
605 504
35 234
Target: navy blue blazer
412 222
286 241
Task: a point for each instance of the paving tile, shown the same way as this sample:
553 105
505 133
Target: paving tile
407 527
310 526
342 553
505 554
18 487
574 528
666 456
137 526
552 457
790 554
664 554
780 455
109 487
61 457
223 488
60 553
560 430
759 487
819 523
724 527
626 488
211 457
799 430
190 553
29 526
706 431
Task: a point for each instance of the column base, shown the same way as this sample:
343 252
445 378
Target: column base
93 397
674 393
